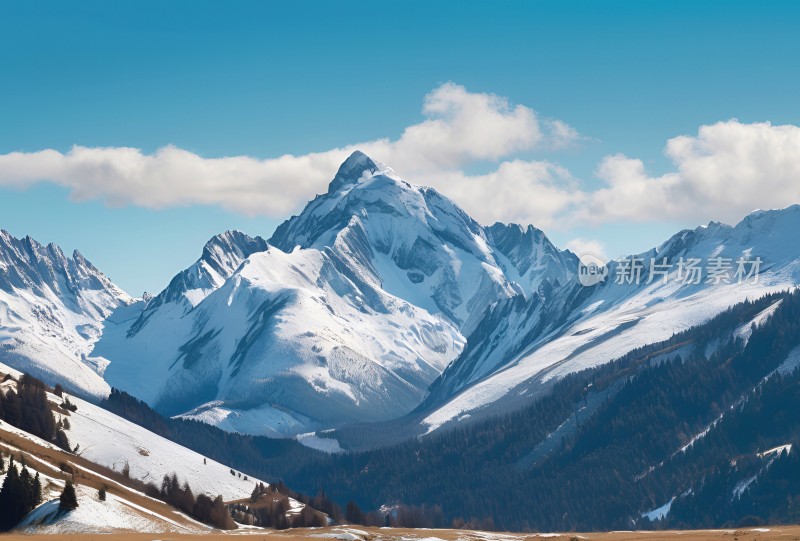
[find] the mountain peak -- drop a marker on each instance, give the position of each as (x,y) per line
(222,255)
(354,168)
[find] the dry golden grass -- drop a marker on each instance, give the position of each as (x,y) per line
(85,473)
(774,533)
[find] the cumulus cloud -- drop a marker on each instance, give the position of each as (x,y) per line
(460,128)
(587,247)
(724,172)
(517,191)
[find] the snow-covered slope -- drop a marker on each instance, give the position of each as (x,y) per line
(114,515)
(111,441)
(102,440)
(523,344)
(52,310)
(357,305)
(289,342)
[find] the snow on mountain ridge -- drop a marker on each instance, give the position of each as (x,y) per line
(52,310)
(221,256)
(287,339)
(512,355)
(358,166)
(540,266)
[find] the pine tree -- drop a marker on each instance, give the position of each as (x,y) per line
(353,514)
(101,494)
(12,503)
(68,499)
(62,440)
(37,490)
(255,494)
(26,485)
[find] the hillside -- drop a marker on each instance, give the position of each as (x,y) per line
(104,450)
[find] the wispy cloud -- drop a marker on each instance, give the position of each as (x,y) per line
(722,173)
(460,128)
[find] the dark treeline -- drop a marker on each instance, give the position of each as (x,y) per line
(27,408)
(20,493)
(269,507)
(756,489)
(211,511)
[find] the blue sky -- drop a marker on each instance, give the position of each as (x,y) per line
(263,79)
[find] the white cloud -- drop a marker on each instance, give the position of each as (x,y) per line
(525,192)
(728,170)
(175,177)
(725,171)
(580,246)
(460,128)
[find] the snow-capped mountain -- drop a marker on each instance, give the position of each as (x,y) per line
(379,299)
(356,305)
(521,345)
(52,310)
(408,240)
(361,302)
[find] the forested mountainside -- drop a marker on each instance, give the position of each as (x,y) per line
(693,418)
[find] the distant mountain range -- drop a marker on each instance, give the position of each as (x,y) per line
(381,302)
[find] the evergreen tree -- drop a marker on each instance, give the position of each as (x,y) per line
(353,514)
(10,498)
(26,485)
(37,490)
(68,499)
(62,440)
